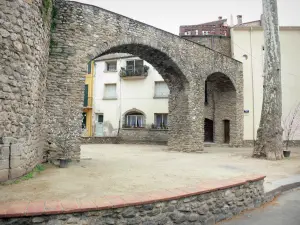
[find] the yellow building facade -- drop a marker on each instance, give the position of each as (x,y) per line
(87,114)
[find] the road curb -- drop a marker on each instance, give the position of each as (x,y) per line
(287,184)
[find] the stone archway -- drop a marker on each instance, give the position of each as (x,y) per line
(223,107)
(84,32)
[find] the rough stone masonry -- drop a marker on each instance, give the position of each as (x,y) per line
(203,209)
(34,86)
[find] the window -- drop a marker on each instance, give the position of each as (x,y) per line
(110,91)
(185,33)
(161,90)
(189,32)
(205,32)
(100,118)
(197,32)
(111,66)
(161,120)
(89,68)
(135,66)
(135,119)
(206,93)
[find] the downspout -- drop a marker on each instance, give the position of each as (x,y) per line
(120,116)
(93,99)
(252,76)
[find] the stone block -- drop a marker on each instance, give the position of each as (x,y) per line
(16,172)
(8,140)
(3,175)
(4,152)
(15,150)
(4,164)
(16,161)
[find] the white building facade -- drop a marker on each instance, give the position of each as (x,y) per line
(248,47)
(128,93)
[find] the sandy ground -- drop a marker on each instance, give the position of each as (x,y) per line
(127,169)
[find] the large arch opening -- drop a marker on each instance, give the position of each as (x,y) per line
(220,109)
(177,83)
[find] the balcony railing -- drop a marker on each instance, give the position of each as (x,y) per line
(87,102)
(137,72)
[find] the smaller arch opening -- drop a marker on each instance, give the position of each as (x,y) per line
(220,107)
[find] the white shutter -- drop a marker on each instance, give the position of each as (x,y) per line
(161,89)
(110,91)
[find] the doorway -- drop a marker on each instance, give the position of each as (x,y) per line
(208,130)
(83,126)
(99,125)
(226,131)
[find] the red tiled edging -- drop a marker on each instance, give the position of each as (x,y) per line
(49,207)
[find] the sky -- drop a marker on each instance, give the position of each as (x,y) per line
(170,14)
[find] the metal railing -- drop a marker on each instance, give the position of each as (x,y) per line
(137,71)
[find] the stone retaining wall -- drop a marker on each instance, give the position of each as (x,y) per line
(205,205)
(150,136)
(292,144)
(100,140)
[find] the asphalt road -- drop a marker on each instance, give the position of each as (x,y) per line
(283,211)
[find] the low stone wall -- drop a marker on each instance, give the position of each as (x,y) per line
(100,140)
(205,205)
(292,144)
(140,135)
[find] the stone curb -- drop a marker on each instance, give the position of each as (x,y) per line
(283,185)
(50,207)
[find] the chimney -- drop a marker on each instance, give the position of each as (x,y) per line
(239,19)
(220,17)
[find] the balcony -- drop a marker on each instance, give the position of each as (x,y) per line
(135,73)
(87,102)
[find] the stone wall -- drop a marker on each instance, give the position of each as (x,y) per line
(24,44)
(202,208)
(149,136)
(220,44)
(100,140)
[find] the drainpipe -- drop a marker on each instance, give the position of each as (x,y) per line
(9,162)
(120,116)
(252,76)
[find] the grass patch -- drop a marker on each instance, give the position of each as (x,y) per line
(36,170)
(46,10)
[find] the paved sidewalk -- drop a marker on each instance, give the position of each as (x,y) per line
(283,211)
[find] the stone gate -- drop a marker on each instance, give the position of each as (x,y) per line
(80,33)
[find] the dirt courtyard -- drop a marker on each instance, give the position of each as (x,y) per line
(109,170)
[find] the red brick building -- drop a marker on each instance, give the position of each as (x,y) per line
(215,28)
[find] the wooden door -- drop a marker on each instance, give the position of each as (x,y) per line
(226,131)
(208,130)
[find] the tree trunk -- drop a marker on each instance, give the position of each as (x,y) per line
(269,134)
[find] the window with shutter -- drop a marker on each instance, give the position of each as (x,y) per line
(161,90)
(110,91)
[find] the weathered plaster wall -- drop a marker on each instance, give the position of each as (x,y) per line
(24,44)
(84,32)
(198,209)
